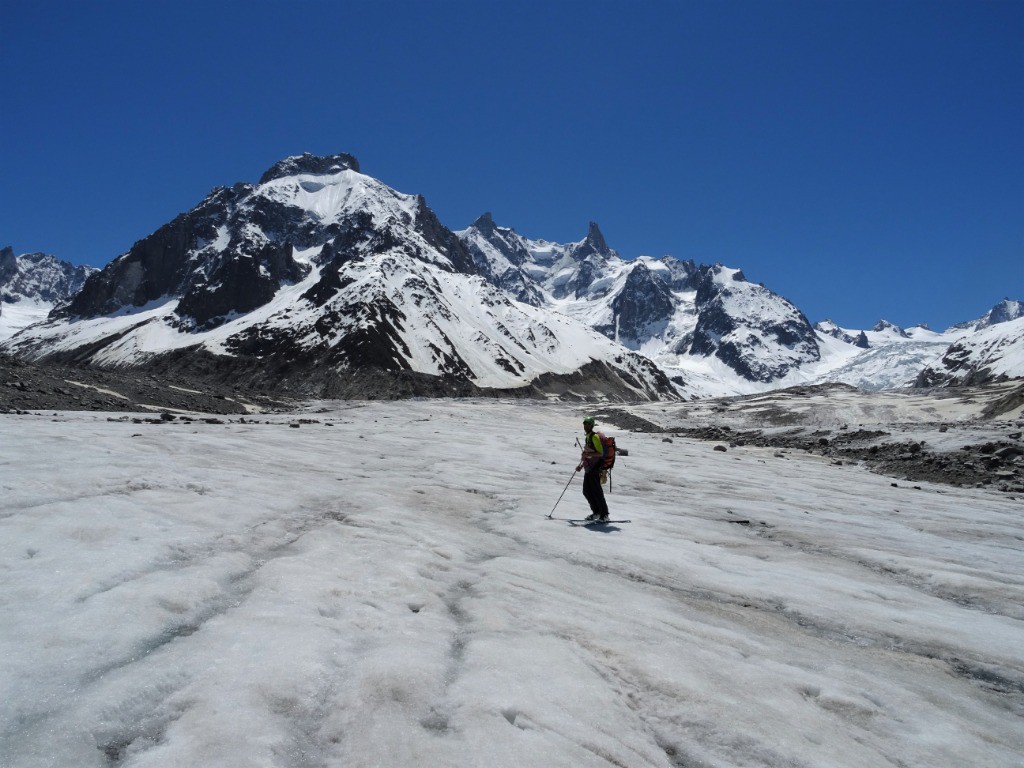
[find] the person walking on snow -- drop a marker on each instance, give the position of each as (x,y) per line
(592,461)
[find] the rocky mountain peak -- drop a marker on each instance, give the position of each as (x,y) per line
(1005,311)
(885,325)
(830,328)
(236,250)
(36,283)
(485,224)
(39,277)
(595,239)
(592,254)
(311,164)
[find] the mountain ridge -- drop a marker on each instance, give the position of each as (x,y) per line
(32,284)
(319,275)
(314,274)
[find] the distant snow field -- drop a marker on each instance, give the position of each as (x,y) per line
(17,315)
(382,587)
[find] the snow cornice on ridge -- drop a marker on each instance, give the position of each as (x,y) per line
(311,164)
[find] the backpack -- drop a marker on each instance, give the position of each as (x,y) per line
(609,450)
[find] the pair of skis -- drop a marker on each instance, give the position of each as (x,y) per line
(588,523)
(579,521)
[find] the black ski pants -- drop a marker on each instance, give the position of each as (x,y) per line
(593,492)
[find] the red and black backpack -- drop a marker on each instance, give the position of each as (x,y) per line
(609,450)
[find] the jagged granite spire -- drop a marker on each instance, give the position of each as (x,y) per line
(485,223)
(595,239)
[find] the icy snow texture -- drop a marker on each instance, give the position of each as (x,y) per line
(15,316)
(387,590)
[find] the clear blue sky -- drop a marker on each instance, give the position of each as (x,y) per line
(864,159)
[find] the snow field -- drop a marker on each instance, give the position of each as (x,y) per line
(17,315)
(387,590)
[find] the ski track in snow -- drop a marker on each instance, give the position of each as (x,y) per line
(383,588)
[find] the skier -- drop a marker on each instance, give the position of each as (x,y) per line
(592,461)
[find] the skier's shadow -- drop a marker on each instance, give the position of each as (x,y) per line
(600,528)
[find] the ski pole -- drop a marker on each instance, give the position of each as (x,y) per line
(563,492)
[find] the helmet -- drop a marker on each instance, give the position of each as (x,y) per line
(588,419)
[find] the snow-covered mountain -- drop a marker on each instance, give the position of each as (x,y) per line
(714,332)
(324,281)
(31,285)
(887,356)
(696,321)
(994,352)
(1003,312)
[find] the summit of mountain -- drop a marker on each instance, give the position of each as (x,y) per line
(324,281)
(32,285)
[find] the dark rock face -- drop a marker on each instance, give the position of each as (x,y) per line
(158,266)
(614,382)
(444,240)
(238,285)
(593,245)
(586,274)
(374,344)
(503,240)
(1004,312)
(8,264)
(644,304)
